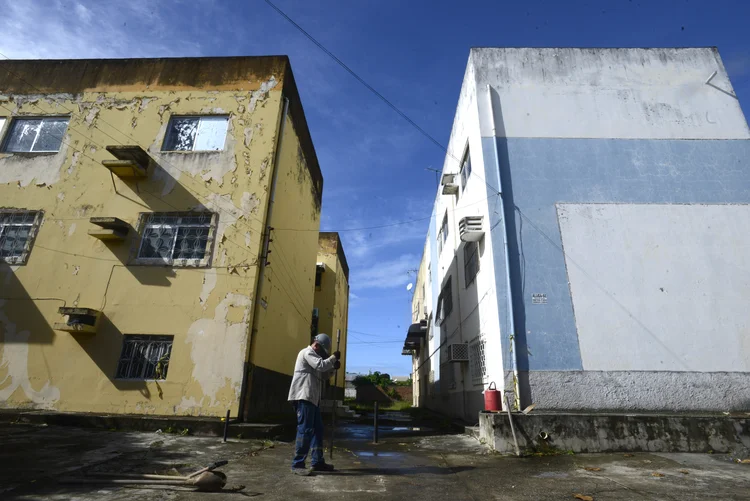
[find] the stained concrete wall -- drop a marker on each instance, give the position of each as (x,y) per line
(332,299)
(558,433)
(561,128)
(209,310)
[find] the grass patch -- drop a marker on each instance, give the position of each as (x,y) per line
(397,405)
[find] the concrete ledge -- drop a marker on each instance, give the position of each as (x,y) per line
(204,426)
(615,432)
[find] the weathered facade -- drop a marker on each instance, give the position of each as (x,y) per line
(331,313)
(588,240)
(144,190)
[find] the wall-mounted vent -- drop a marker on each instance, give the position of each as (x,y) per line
(449,185)
(80,320)
(470,228)
(458,352)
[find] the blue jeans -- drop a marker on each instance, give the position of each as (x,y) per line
(309,434)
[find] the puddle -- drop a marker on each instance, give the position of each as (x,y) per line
(406,428)
(370,454)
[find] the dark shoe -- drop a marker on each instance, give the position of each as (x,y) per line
(304,472)
(322,467)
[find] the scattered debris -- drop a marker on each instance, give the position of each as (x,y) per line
(583,497)
(684,472)
(657,474)
(529,409)
(592,468)
(743,461)
(628,455)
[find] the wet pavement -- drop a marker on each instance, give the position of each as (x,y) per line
(409,463)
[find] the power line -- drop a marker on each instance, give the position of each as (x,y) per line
(370,87)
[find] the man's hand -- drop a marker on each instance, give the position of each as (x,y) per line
(337,365)
(337,354)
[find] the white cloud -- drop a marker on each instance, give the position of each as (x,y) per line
(52,29)
(385,274)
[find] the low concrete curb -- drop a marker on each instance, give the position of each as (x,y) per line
(549,432)
(203,426)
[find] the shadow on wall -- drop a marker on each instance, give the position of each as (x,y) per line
(21,320)
(160,192)
(454,392)
(516,264)
(104,349)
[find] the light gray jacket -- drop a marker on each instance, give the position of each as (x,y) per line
(310,371)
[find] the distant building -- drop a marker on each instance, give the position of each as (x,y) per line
(350,390)
(331,312)
(589,238)
(139,200)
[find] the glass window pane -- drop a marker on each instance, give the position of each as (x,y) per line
(51,134)
(211,134)
(181,134)
(13,240)
(22,134)
(157,243)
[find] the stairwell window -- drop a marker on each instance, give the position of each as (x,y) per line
(471,262)
(445,303)
(477,361)
(196,133)
(176,238)
(35,135)
(443,233)
(145,357)
(18,229)
(465,168)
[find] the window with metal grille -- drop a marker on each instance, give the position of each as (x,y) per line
(445,303)
(465,168)
(196,134)
(145,357)
(177,238)
(18,228)
(35,135)
(471,262)
(477,364)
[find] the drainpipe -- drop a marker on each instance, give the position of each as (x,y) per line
(512,326)
(263,259)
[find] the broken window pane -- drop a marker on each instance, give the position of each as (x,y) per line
(196,134)
(36,135)
(181,134)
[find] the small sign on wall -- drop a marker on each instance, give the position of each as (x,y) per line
(538,298)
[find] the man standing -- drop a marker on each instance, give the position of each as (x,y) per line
(310,371)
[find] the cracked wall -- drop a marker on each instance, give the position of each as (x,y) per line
(208,311)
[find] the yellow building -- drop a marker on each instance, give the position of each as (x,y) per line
(150,258)
(331,314)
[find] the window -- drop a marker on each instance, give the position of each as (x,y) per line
(477,363)
(18,229)
(196,134)
(443,233)
(465,169)
(145,357)
(35,135)
(177,238)
(471,262)
(445,303)
(319,269)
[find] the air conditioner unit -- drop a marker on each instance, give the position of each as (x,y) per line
(449,186)
(458,352)
(470,228)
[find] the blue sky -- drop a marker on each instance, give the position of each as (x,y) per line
(414,53)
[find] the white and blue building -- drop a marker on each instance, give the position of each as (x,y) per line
(589,242)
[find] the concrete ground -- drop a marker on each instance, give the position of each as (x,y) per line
(407,464)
